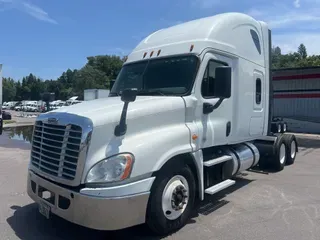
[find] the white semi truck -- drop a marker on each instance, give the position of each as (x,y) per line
(190,109)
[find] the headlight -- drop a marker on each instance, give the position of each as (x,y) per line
(112,169)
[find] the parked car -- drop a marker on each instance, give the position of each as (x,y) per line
(18,107)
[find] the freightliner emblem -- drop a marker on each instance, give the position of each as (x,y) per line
(52,120)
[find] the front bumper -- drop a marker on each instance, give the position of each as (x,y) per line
(96,208)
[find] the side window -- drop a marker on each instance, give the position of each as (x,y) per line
(256,41)
(207,85)
(258,91)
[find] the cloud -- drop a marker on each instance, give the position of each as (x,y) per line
(280,16)
(287,20)
(290,42)
(37,12)
(292,25)
(205,3)
(255,13)
(119,51)
(27,8)
(168,22)
(296,3)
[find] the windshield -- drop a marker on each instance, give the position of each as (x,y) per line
(165,76)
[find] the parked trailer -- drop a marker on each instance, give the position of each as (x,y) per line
(189,110)
(91,94)
(297,93)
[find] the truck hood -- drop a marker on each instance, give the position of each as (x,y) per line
(108,110)
(150,121)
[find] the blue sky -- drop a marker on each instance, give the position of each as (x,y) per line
(45,37)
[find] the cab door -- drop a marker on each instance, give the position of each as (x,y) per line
(214,115)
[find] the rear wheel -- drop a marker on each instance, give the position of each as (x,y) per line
(280,154)
(292,148)
(172,199)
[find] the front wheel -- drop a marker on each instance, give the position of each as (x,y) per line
(172,199)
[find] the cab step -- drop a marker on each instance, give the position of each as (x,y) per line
(216,161)
(220,186)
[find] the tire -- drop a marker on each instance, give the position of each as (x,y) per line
(280,154)
(292,148)
(157,219)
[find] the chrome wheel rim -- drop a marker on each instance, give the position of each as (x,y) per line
(293,149)
(282,153)
(175,197)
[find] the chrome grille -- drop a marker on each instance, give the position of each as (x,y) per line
(56,149)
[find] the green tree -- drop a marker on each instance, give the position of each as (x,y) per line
(302,50)
(36,88)
(67,78)
(275,56)
(89,77)
(9,89)
(110,65)
(18,96)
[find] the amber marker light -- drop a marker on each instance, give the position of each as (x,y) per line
(128,167)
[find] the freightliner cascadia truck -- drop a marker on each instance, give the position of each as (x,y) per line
(189,110)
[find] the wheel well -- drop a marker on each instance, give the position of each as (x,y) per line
(185,158)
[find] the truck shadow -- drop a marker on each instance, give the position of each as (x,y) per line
(28,224)
(308,142)
(216,201)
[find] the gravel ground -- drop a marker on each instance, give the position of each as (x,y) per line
(261,206)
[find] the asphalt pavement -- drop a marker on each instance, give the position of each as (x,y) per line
(260,206)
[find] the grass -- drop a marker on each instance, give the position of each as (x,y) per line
(8,121)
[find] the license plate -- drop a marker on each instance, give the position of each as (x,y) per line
(44,209)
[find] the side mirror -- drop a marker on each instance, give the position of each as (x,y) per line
(222,83)
(112,83)
(129,95)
